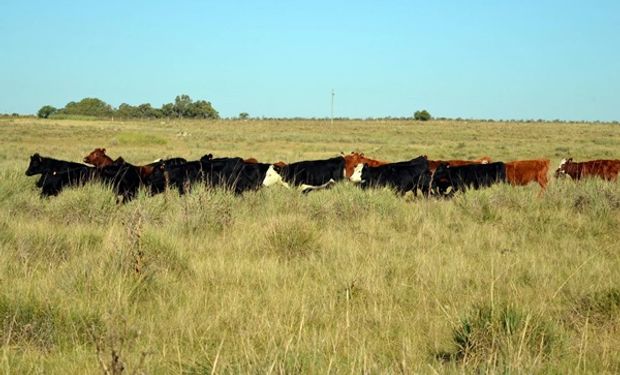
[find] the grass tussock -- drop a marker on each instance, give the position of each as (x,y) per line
(290,237)
(27,322)
(501,337)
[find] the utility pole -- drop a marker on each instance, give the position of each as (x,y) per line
(333,94)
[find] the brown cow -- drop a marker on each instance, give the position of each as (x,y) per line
(522,172)
(99,159)
(354,158)
(605,169)
(433,164)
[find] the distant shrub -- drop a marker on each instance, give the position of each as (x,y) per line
(422,115)
(46,111)
(89,107)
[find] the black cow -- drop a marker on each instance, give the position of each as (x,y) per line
(52,183)
(231,173)
(473,176)
(177,175)
(41,164)
(124,178)
(307,175)
(234,174)
(402,176)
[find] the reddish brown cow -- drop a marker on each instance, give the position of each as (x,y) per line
(433,164)
(355,158)
(99,159)
(605,169)
(522,172)
(254,161)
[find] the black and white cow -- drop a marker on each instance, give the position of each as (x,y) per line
(473,176)
(307,175)
(404,176)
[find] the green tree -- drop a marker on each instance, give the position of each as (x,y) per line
(422,115)
(168,110)
(202,109)
(127,111)
(243,115)
(89,107)
(183,106)
(146,111)
(46,111)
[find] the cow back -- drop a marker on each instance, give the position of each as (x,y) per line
(314,172)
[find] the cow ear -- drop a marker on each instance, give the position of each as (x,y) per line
(569,160)
(103,150)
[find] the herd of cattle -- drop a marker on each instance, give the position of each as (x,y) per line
(430,177)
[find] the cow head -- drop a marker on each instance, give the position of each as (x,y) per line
(98,158)
(483,160)
(352,160)
(561,171)
(206,158)
(356,176)
(273,176)
(35,165)
(441,178)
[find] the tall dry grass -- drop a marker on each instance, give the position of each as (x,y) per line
(343,280)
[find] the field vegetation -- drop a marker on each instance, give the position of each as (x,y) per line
(342,281)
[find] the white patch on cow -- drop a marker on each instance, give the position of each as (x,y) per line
(157,160)
(272,177)
(356,176)
(484,162)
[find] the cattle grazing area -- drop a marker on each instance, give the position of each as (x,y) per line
(505,278)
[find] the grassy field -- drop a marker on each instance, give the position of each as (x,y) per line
(340,281)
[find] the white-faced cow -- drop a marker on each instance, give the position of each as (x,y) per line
(307,175)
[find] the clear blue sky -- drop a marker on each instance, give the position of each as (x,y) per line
(480,59)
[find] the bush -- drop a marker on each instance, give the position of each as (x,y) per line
(46,111)
(422,115)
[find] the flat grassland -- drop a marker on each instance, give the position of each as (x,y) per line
(343,280)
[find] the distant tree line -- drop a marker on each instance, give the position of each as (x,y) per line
(183,107)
